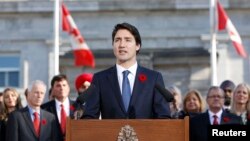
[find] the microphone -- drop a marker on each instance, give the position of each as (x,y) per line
(165,93)
(81,99)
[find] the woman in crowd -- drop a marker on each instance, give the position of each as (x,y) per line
(176,105)
(193,104)
(11,102)
(240,104)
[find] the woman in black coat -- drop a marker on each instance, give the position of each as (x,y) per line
(11,102)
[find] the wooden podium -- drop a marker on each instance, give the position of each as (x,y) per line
(146,130)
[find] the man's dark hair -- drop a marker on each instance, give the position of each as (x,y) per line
(227,84)
(132,29)
(58,77)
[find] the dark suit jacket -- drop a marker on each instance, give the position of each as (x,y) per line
(145,103)
(50,106)
(20,127)
(199,124)
(2,130)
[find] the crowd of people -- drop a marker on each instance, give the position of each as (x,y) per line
(227,100)
(124,91)
(39,120)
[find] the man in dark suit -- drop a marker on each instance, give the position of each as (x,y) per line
(82,83)
(215,115)
(126,90)
(61,106)
(32,123)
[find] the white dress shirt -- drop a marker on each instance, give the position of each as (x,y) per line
(66,105)
(131,75)
(211,118)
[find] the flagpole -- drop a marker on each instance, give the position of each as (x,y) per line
(213,56)
(56,35)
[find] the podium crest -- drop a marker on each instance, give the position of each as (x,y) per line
(127,133)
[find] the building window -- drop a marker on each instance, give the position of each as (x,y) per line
(9,71)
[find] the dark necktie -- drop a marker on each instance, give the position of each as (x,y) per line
(63,119)
(36,123)
(215,122)
(126,91)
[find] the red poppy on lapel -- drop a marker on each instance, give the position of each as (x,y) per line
(44,121)
(72,108)
(142,77)
(226,119)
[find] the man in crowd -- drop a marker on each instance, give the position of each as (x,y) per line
(215,115)
(228,87)
(82,83)
(32,123)
(61,106)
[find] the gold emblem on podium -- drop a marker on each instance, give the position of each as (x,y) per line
(127,133)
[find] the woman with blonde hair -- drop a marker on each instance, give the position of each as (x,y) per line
(11,102)
(193,104)
(240,104)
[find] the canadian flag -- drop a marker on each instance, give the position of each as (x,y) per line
(82,53)
(223,23)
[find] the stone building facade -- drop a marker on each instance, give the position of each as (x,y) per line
(175,39)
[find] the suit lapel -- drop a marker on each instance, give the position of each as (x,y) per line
(206,118)
(26,115)
(53,110)
(225,118)
(71,109)
(113,79)
(138,86)
(43,122)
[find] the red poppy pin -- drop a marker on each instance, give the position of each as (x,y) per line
(72,108)
(44,122)
(142,77)
(226,119)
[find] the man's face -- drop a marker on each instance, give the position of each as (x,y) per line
(124,46)
(36,96)
(84,86)
(228,94)
(215,99)
(61,89)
